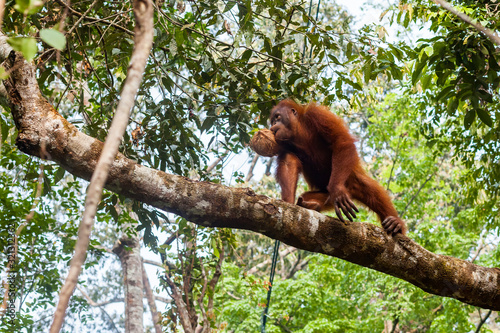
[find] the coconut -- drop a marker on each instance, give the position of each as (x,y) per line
(263,143)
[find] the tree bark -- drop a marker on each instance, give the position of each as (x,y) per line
(215,205)
(127,249)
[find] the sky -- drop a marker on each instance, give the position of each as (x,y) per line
(363,10)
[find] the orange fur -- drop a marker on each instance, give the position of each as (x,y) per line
(317,144)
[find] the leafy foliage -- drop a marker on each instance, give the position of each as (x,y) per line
(456,71)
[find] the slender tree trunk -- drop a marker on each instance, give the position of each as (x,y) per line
(127,249)
(151,301)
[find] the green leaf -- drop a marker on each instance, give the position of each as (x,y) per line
(59,175)
(396,73)
(426,81)
(419,66)
(229,5)
(246,55)
(81,105)
(3,74)
(334,59)
(452,106)
(28,7)
(348,51)
(469,118)
(485,95)
(54,38)
(267,45)
(444,93)
(179,37)
(25,45)
(242,11)
(207,124)
(182,224)
(167,83)
(5,129)
(367,71)
(485,117)
(216,252)
(396,52)
(47,188)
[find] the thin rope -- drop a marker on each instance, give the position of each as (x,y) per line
(277,242)
(271,279)
(317,15)
(305,38)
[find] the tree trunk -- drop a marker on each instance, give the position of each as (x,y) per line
(151,301)
(127,249)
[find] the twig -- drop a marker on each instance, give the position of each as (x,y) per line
(152,262)
(394,162)
(202,295)
(92,303)
(267,56)
(420,189)
(163,299)
(252,166)
(268,166)
(94,20)
(143,12)
(215,277)
(181,306)
(84,15)
(216,162)
(298,266)
(467,19)
(169,264)
(64,15)
(170,239)
(395,325)
(103,248)
(190,246)
(283,253)
(480,247)
(175,83)
(483,320)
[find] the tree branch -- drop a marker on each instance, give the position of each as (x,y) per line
(100,306)
(482,321)
(283,253)
(181,305)
(151,300)
(94,20)
(252,167)
(118,300)
(214,205)
(467,19)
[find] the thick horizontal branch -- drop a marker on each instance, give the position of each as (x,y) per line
(45,133)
